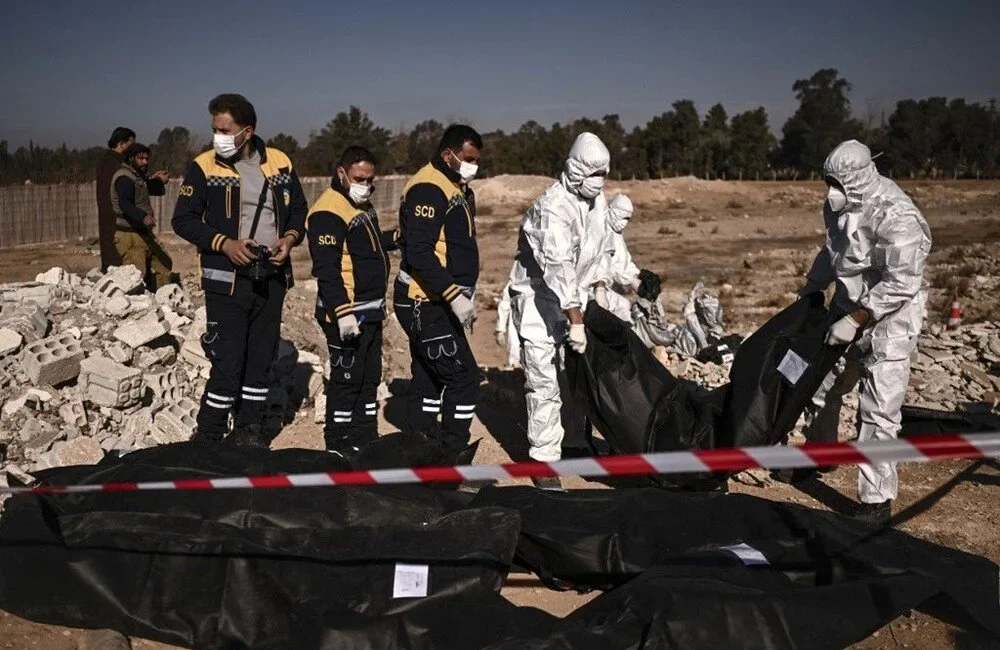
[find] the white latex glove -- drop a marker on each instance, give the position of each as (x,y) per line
(578,338)
(348,326)
(842,331)
(501,338)
(464,310)
(601,296)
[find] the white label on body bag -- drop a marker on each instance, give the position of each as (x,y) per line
(410,581)
(792,367)
(747,554)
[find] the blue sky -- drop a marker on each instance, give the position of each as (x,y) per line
(72,70)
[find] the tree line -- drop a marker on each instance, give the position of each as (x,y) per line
(933,137)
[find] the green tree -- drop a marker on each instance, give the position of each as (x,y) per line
(422,143)
(285,143)
(752,143)
(172,151)
(353,127)
(822,121)
(715,141)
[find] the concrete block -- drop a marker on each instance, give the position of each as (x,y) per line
(194,354)
(55,275)
(137,332)
(110,384)
(126,279)
(40,294)
(28,320)
(42,441)
(120,353)
(173,296)
(175,423)
(52,361)
(74,414)
(79,451)
(142,303)
(10,341)
(117,305)
(164,385)
(175,320)
(149,357)
(37,400)
(139,424)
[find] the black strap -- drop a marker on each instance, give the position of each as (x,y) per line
(260,208)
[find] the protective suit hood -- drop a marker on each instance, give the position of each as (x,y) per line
(619,212)
(850,164)
(587,156)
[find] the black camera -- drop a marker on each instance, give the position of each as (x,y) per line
(260,268)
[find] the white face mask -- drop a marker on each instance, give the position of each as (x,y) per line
(836,199)
(359,192)
(466,169)
(225,145)
(591,186)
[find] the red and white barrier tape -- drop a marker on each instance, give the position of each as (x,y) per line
(918,449)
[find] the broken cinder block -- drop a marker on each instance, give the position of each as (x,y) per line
(74,414)
(28,320)
(126,279)
(110,384)
(137,332)
(164,385)
(52,361)
(10,341)
(175,423)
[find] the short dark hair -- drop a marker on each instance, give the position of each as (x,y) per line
(355,154)
(236,105)
(456,135)
(135,149)
(119,135)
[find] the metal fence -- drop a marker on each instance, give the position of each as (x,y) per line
(36,214)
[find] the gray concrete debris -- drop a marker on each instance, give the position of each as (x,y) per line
(110,384)
(10,341)
(81,451)
(137,332)
(54,276)
(175,423)
(28,320)
(124,279)
(52,361)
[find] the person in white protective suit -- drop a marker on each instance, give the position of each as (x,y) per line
(505,334)
(619,268)
(876,248)
(561,246)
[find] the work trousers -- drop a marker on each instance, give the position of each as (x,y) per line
(355,374)
(240,342)
(445,375)
(144,252)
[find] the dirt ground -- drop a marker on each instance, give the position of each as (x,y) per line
(760,239)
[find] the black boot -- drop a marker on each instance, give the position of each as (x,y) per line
(874,514)
(250,435)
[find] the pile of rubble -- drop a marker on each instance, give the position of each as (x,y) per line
(93,364)
(955,369)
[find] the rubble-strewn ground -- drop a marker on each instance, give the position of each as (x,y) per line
(751,243)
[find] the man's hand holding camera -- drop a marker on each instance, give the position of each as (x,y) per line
(240,251)
(281,249)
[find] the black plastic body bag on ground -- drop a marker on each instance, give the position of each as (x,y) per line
(225,569)
(313,568)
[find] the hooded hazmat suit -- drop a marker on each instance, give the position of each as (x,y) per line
(560,251)
(620,269)
(876,248)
